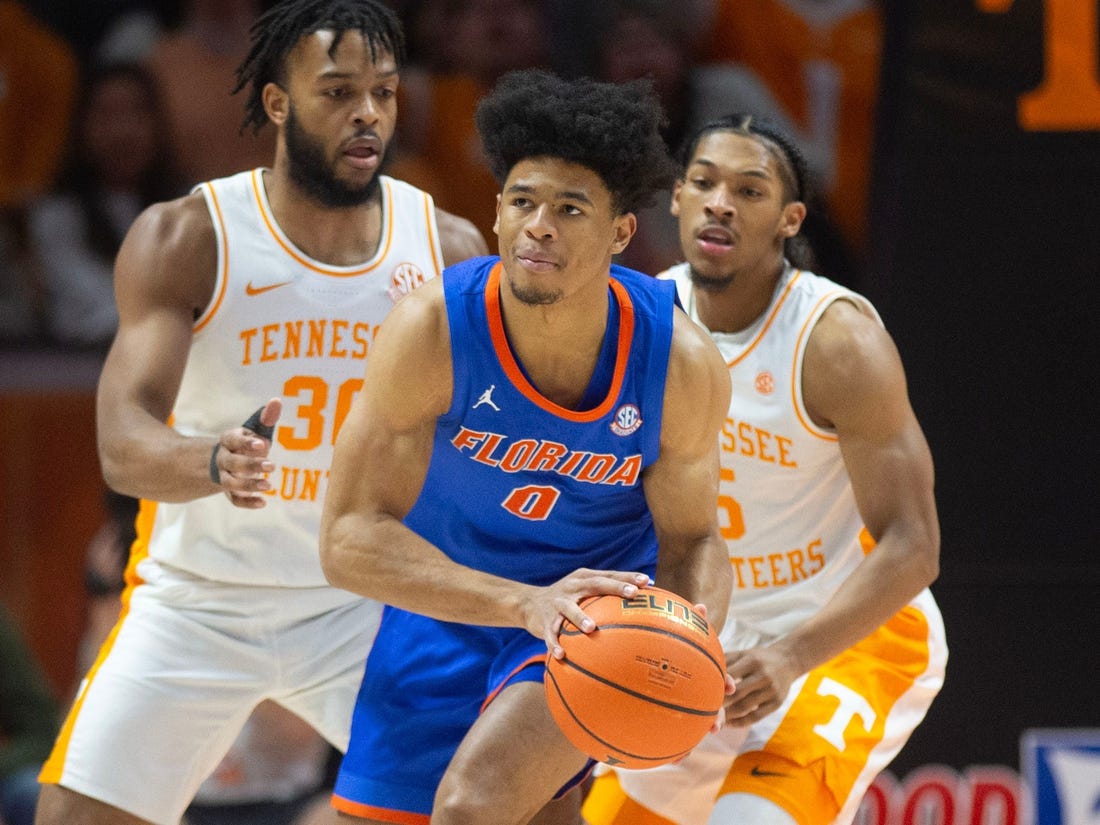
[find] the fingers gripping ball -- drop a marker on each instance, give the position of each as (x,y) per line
(644,687)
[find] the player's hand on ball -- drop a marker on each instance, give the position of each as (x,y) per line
(551,606)
(239,462)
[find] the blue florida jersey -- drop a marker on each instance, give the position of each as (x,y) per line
(523,488)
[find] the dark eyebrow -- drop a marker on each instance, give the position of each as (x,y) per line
(337,75)
(751,173)
(568,194)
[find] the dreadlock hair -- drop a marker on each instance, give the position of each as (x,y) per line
(612,129)
(277,31)
(789,161)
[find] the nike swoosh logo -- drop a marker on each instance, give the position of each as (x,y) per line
(259,290)
(757,771)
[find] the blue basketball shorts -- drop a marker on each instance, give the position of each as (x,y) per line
(425,684)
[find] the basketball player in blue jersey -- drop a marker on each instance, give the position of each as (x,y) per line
(534,428)
(269,284)
(826,504)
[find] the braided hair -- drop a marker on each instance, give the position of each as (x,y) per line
(277,31)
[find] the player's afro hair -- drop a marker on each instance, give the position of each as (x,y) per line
(612,129)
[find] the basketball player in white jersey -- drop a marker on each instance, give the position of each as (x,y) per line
(266,285)
(826,503)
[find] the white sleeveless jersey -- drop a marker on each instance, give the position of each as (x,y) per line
(282,324)
(786,507)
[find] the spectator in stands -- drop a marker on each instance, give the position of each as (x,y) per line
(120,162)
(465,45)
(38,77)
(195,64)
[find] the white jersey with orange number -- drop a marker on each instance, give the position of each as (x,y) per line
(282,324)
(794,534)
(786,506)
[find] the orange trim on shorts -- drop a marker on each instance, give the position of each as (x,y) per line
(55,764)
(347,806)
(269,221)
(515,374)
(608,804)
(210,313)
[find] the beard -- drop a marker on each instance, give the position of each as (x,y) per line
(710,283)
(310,170)
(533,296)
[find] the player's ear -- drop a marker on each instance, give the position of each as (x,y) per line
(276,103)
(674,204)
(625,227)
(496,220)
(793,215)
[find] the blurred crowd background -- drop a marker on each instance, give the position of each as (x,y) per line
(955,145)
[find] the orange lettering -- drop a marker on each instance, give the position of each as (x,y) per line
(484,453)
(268,351)
(785,459)
(755,563)
(778,579)
(596,468)
(744,432)
(815,556)
(247,336)
(517,455)
(547,456)
(338,330)
(316,339)
(734,528)
(762,439)
(467,439)
(627,474)
(360,335)
(311,481)
(531,502)
(797,573)
(737,563)
(1068,97)
(292,347)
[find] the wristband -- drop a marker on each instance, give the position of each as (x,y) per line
(215,476)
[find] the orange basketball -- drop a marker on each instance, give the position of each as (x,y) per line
(644,687)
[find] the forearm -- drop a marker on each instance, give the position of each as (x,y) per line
(700,574)
(884,583)
(148,459)
(384,560)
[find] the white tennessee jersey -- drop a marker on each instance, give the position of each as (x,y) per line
(281,324)
(785,505)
